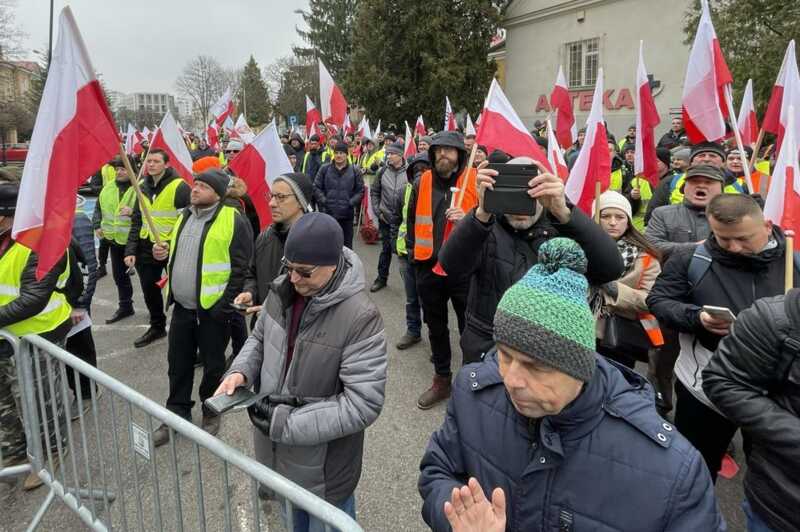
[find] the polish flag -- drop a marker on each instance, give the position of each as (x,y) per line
(212,135)
(169,139)
(147,134)
(347,126)
(228,125)
(449,117)
(747,121)
(704,108)
(364,131)
(419,127)
(411,146)
(378,128)
(782,205)
(243,130)
(132,141)
(222,108)
(74,135)
(501,128)
(312,117)
(331,99)
(258,164)
(560,100)
(645,161)
(594,162)
(469,127)
(785,93)
(555,156)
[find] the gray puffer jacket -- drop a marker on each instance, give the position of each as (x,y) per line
(385,192)
(674,227)
(339,355)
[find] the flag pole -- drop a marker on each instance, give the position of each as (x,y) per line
(139,196)
(788,279)
(738,136)
(597,192)
(466,175)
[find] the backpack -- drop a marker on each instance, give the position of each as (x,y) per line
(701,262)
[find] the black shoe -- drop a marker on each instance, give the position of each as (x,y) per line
(160,436)
(149,337)
(101,272)
(120,314)
(378,284)
(407,340)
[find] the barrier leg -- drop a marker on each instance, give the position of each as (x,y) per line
(41,511)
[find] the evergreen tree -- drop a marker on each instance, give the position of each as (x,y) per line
(330,33)
(408,56)
(254,89)
(753,35)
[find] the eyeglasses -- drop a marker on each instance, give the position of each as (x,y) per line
(280,198)
(305,274)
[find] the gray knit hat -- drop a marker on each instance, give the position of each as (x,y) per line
(545,315)
(301,187)
(315,239)
(216,179)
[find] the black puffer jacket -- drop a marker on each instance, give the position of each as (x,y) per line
(339,192)
(265,264)
(754,379)
(496,256)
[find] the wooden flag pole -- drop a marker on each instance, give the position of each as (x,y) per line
(738,136)
(788,278)
(756,147)
(597,192)
(466,175)
(139,196)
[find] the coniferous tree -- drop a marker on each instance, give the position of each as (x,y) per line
(253,88)
(329,33)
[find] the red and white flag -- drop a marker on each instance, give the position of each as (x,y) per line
(228,125)
(785,93)
(133,141)
(747,121)
(555,156)
(645,161)
(147,134)
(169,139)
(561,101)
(74,135)
(449,117)
(243,131)
(593,164)
(364,131)
(212,135)
(410,145)
(223,107)
(703,103)
(782,205)
(313,118)
(378,128)
(469,127)
(419,127)
(331,99)
(502,129)
(347,126)
(258,164)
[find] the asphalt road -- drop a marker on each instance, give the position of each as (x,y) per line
(386,499)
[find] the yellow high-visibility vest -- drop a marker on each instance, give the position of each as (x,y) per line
(115,226)
(163,211)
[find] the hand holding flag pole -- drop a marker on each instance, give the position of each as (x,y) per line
(738,136)
(139,196)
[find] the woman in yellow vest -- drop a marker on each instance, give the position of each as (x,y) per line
(27,306)
(619,306)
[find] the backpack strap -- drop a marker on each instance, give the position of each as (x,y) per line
(700,263)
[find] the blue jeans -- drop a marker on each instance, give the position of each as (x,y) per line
(305,522)
(413,310)
(754,522)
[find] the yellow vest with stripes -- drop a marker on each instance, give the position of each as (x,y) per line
(12,264)
(163,211)
(115,226)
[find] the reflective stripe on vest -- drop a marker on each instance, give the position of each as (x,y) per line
(677,193)
(163,211)
(648,321)
(115,226)
(216,261)
(57,310)
(403,229)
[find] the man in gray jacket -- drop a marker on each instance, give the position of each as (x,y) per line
(385,193)
(320,345)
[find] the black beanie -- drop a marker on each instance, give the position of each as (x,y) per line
(301,187)
(315,239)
(664,155)
(8,198)
(289,150)
(216,179)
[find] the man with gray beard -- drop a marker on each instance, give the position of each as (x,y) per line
(495,252)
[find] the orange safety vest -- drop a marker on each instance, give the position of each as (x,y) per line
(648,321)
(423,224)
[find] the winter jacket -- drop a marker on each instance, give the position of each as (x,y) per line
(265,263)
(340,356)
(310,162)
(495,256)
(677,227)
(754,379)
(241,249)
(607,462)
(387,189)
(143,248)
(660,196)
(670,139)
(632,290)
(733,281)
(83,234)
(339,192)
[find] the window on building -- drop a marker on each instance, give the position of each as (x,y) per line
(583,60)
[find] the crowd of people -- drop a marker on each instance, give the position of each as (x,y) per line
(548,424)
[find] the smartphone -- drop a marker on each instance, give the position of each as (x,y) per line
(239,306)
(719,313)
(510,194)
(223,403)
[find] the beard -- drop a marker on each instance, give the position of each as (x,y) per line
(445,167)
(521,225)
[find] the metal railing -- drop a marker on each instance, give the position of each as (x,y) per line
(100,461)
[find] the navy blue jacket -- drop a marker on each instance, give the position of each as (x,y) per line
(606,463)
(338,192)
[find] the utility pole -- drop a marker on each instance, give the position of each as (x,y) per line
(50,42)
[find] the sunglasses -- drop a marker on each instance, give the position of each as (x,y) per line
(302,272)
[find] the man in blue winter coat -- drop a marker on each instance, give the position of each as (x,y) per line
(561,438)
(338,190)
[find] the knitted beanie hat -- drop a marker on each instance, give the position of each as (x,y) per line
(546,315)
(612,198)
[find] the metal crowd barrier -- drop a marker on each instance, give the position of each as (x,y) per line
(103,466)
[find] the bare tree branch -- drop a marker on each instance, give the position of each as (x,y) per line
(203,81)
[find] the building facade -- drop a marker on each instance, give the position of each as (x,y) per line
(16,78)
(584,36)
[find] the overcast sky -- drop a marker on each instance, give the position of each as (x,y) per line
(142,45)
